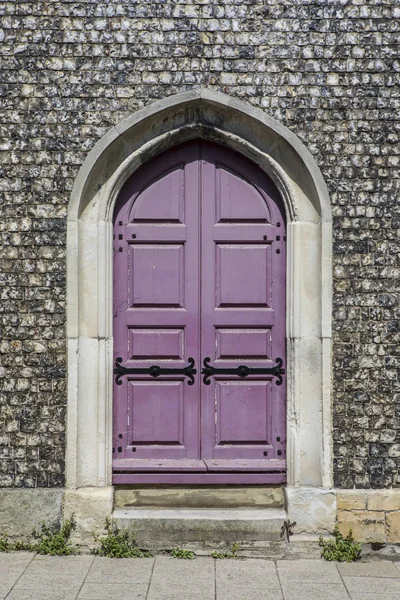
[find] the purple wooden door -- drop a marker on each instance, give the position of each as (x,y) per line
(199,275)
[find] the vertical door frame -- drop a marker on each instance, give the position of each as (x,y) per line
(249,131)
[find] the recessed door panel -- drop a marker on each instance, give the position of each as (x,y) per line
(156,343)
(239,343)
(156,413)
(243,275)
(243,409)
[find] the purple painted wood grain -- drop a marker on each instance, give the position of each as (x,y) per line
(201,273)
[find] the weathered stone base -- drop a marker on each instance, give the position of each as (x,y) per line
(373,515)
(254,496)
(22,510)
(313,509)
(163,528)
(90,507)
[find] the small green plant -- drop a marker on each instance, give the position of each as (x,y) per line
(340,549)
(5,545)
(182,553)
(53,539)
(118,544)
(231,554)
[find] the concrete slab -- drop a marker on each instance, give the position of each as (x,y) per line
(382,568)
(230,593)
(50,580)
(120,570)
(372,585)
(308,571)
(197,575)
(41,595)
(297,590)
(7,582)
(250,573)
(74,566)
(105,591)
(355,596)
(178,593)
(12,566)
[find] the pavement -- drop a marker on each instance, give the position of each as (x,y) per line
(25,576)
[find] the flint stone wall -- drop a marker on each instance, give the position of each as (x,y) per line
(328,70)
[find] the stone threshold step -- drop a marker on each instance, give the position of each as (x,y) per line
(205,496)
(163,528)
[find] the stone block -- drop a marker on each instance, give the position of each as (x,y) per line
(367,526)
(204,497)
(388,500)
(90,507)
(22,510)
(393,527)
(351,499)
(313,509)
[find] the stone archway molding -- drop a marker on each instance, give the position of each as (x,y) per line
(161,125)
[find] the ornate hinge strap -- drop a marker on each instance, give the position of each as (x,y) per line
(243,371)
(154,371)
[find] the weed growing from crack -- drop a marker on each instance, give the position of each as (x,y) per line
(118,544)
(182,553)
(340,549)
(231,554)
(52,539)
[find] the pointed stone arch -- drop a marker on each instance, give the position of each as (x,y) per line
(214,116)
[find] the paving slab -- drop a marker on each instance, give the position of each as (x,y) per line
(12,566)
(372,585)
(41,595)
(197,574)
(298,590)
(51,581)
(308,571)
(77,566)
(120,570)
(374,596)
(12,558)
(175,593)
(14,562)
(248,573)
(234,593)
(113,591)
(382,568)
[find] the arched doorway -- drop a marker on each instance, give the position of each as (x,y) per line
(161,126)
(199,321)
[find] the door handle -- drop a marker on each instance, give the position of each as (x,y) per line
(154,371)
(242,371)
